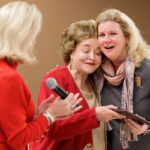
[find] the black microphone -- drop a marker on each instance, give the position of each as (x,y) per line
(52,84)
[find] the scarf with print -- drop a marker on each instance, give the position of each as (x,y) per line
(125,74)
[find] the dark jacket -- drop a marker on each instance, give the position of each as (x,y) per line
(141,103)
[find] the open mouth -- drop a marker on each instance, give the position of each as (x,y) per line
(109,47)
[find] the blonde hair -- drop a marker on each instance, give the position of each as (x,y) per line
(137,48)
(19,25)
(74,34)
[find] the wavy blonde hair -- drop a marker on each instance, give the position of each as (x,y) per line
(19,25)
(137,48)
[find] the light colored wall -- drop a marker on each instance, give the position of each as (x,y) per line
(58,14)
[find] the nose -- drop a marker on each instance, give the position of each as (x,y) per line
(91,56)
(107,39)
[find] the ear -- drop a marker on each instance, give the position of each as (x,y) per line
(127,37)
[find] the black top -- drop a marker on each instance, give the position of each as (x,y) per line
(141,104)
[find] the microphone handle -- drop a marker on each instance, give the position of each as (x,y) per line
(61,92)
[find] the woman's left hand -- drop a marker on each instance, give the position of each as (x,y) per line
(135,127)
(42,107)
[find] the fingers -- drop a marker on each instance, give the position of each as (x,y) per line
(74,101)
(50,98)
(104,113)
(76,96)
(77,108)
(66,107)
(111,107)
(76,105)
(115,114)
(43,106)
(135,127)
(70,97)
(132,123)
(78,101)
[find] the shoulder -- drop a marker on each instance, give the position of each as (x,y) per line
(144,70)
(58,72)
(145,66)
(146,62)
(12,81)
(10,75)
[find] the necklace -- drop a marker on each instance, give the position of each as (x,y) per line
(90,98)
(86,90)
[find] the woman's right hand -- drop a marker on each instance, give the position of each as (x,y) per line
(105,113)
(65,107)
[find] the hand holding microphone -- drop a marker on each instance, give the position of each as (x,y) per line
(70,103)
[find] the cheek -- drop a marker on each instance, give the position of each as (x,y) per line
(98,60)
(102,51)
(100,43)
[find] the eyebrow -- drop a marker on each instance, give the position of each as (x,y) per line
(86,45)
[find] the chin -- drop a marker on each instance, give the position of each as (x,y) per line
(111,57)
(90,71)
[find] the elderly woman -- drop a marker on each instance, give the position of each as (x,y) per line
(127,77)
(19,124)
(82,56)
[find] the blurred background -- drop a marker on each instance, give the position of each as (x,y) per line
(58,14)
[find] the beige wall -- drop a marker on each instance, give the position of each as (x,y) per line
(58,14)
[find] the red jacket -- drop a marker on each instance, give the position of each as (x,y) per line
(74,132)
(16,111)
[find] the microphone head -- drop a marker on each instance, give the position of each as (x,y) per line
(51,83)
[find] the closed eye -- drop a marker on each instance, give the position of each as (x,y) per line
(85,50)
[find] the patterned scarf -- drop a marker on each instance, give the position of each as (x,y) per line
(124,73)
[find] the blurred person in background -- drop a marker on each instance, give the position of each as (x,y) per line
(20,24)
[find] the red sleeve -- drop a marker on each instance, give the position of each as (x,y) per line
(16,113)
(81,122)
(74,125)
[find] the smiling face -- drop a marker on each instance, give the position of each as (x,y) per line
(86,58)
(112,41)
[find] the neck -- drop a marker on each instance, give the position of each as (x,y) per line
(80,79)
(116,65)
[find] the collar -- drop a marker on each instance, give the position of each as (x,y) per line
(4,63)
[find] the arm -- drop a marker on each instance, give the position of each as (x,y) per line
(16,112)
(76,124)
(81,122)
